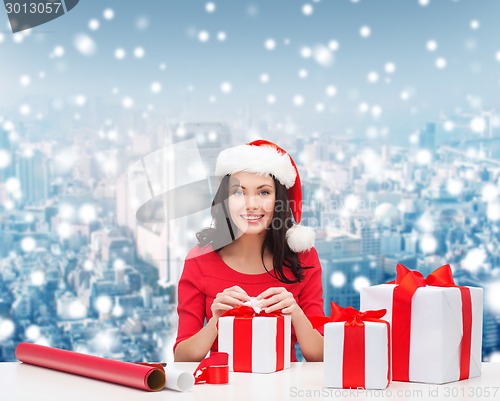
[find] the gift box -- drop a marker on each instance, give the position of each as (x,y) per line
(356,348)
(256,342)
(436,326)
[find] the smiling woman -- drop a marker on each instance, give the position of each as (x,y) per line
(251,202)
(252,250)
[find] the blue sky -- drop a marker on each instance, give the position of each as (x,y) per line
(466,32)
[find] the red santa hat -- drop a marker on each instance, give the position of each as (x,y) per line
(264,157)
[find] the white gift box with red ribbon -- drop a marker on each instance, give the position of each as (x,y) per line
(442,321)
(259,344)
(376,361)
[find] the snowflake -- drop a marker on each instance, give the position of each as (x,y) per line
(372,77)
(270,44)
(120,54)
(94,24)
(365,31)
(271,99)
(331,90)
(156,87)
(338,279)
(306,52)
(139,52)
(333,45)
(226,87)
(474,24)
(441,63)
(431,45)
(390,68)
(298,100)
(108,14)
(210,7)
(203,36)
(307,9)
(25,80)
(360,282)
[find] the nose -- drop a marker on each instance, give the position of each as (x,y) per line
(251,203)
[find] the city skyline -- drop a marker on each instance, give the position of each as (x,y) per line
(106,273)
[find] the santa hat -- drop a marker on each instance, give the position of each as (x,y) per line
(264,157)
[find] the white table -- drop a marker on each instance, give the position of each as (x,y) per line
(303,381)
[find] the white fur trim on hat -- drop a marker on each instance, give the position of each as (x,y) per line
(256,159)
(300,238)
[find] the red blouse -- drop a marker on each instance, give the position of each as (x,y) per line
(205,274)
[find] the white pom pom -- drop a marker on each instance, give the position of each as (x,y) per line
(300,238)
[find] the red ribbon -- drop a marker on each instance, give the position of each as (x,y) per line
(353,369)
(408,282)
(213,370)
(247,311)
(242,337)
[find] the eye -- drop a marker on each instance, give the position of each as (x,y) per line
(238,192)
(265,192)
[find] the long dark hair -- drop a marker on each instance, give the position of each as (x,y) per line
(224,231)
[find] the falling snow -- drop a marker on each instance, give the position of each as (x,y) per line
(94,24)
(431,45)
(108,14)
(307,9)
(270,44)
(311,60)
(120,54)
(365,31)
(139,52)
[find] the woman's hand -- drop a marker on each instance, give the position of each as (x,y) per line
(228,299)
(276,298)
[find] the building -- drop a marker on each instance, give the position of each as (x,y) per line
(33,172)
(353,272)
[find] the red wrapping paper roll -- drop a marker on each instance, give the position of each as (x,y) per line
(129,374)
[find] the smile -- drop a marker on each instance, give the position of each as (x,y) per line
(252,217)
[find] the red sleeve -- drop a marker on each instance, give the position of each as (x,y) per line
(311,296)
(191,301)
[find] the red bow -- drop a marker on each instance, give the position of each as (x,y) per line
(248,311)
(349,315)
(408,282)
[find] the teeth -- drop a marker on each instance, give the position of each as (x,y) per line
(252,217)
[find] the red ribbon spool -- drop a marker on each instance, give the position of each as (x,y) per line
(213,370)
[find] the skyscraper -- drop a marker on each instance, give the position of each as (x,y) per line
(427,137)
(6,156)
(33,173)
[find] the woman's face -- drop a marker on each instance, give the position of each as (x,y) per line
(251,201)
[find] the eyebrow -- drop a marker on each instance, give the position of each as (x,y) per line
(259,187)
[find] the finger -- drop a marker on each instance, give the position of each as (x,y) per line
(280,305)
(228,300)
(221,306)
(239,296)
(269,292)
(271,301)
(218,307)
(287,311)
(238,290)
